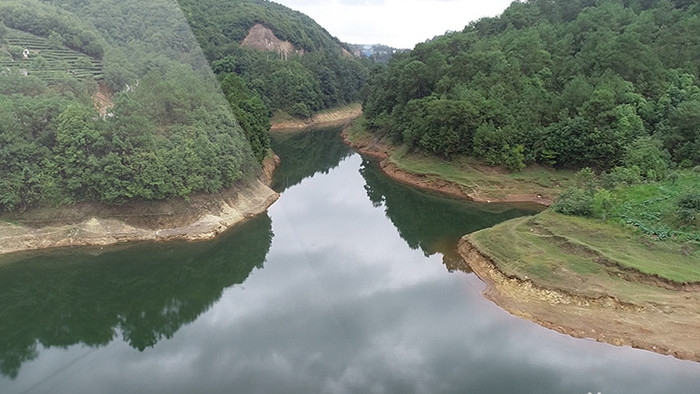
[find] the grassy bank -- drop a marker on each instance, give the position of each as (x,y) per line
(653,208)
(552,249)
(593,279)
(476,180)
(628,274)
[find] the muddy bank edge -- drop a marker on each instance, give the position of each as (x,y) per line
(604,319)
(163,221)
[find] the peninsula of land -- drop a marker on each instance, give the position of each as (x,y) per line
(584,277)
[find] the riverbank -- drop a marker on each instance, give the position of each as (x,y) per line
(462,177)
(90,224)
(328,118)
(573,275)
(578,276)
(204,216)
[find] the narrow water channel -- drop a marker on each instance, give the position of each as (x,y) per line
(349,284)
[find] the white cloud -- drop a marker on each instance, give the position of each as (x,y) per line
(398,23)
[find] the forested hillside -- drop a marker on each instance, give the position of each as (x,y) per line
(570,84)
(320,74)
(168,131)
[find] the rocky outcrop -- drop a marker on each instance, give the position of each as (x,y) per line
(263,39)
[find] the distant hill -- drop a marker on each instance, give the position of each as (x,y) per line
(377,52)
(312,70)
(218,24)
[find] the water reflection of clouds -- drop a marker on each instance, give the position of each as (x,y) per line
(325,315)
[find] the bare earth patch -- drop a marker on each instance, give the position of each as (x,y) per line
(263,39)
(335,117)
(202,217)
(102,99)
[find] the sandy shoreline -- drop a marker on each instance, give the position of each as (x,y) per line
(202,217)
(337,117)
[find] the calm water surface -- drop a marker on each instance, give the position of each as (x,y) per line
(349,284)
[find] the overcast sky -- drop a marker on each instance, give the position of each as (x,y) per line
(397,23)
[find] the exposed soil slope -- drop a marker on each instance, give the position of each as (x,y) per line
(102,99)
(580,291)
(335,117)
(263,39)
(203,216)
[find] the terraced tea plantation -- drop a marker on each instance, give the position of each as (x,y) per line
(45,60)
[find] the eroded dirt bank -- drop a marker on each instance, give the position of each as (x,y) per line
(89,224)
(664,320)
(383,153)
(336,117)
(668,325)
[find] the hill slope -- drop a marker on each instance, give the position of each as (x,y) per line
(170,133)
(46,59)
(316,73)
(562,83)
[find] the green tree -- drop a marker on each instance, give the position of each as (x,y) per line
(55,40)
(647,155)
(78,143)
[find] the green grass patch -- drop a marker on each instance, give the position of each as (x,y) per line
(550,246)
(357,132)
(488,182)
(654,208)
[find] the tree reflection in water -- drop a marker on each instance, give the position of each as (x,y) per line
(143,293)
(434,223)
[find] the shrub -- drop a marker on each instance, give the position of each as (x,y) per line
(689,207)
(301,110)
(646,154)
(586,179)
(620,176)
(574,201)
(603,203)
(513,158)
(15,51)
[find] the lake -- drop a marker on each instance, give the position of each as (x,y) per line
(350,283)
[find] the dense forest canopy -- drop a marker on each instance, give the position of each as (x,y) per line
(169,133)
(598,83)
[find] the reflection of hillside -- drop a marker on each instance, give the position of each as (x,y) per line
(430,222)
(304,154)
(144,293)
